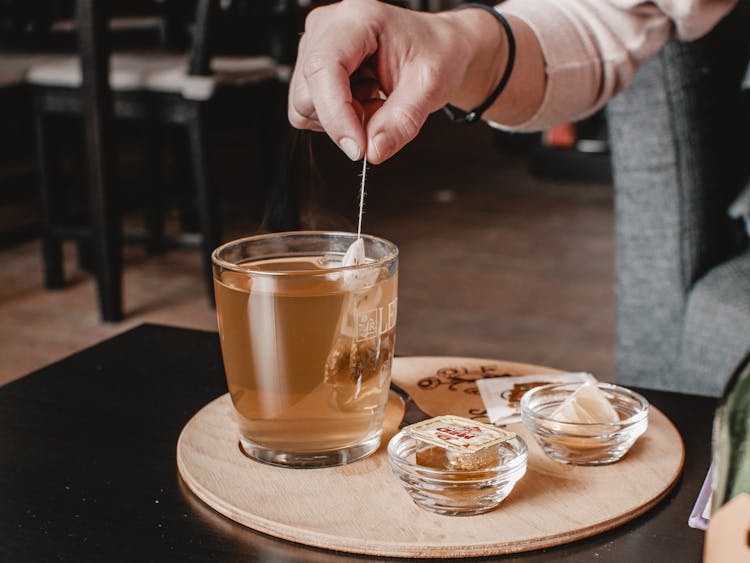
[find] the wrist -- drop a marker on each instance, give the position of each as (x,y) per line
(486,54)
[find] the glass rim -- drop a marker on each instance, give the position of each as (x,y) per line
(640,414)
(222,263)
(508,468)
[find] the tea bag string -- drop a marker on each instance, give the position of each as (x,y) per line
(366,88)
(355,254)
(362,195)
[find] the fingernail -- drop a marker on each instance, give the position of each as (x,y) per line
(383,145)
(350,148)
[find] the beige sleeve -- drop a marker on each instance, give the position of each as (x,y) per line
(592,48)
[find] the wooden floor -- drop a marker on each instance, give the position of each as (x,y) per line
(494,262)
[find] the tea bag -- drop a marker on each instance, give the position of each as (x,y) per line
(353,367)
(355,371)
(355,254)
(588,405)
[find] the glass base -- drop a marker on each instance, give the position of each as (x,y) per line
(447,509)
(309,460)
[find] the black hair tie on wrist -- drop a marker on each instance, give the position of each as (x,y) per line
(457,114)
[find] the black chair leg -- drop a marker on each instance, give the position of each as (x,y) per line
(86,260)
(107,246)
(206,198)
(183,187)
(154,181)
(50,204)
(100,157)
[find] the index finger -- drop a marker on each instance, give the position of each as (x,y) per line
(328,82)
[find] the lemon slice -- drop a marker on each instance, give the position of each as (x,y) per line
(587,405)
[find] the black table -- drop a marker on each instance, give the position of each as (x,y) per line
(88,472)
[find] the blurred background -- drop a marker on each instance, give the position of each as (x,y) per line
(113,191)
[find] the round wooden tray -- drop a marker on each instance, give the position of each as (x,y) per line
(362,507)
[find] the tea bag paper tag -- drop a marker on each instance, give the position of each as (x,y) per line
(458,434)
(355,254)
(728,531)
(502,395)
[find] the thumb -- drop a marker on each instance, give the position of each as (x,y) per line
(401,117)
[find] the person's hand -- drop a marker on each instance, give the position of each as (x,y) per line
(419,61)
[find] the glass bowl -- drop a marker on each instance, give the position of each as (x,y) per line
(457,492)
(584,443)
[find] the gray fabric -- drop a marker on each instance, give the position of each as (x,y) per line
(679,159)
(717,327)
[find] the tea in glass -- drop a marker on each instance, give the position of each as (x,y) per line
(307,344)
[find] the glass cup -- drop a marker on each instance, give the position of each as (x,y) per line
(307,344)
